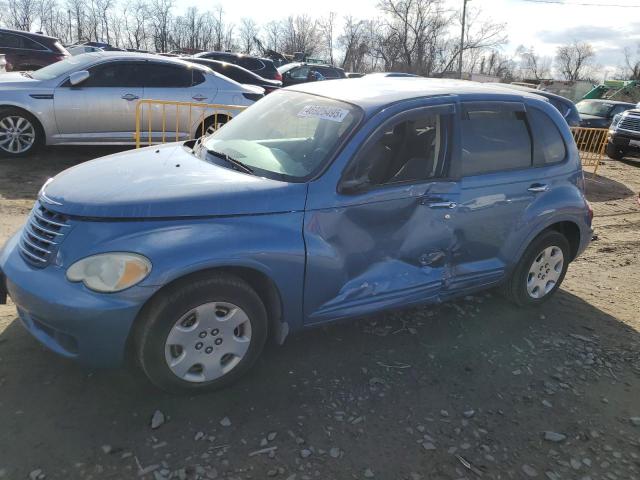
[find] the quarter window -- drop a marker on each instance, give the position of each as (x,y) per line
(408,151)
(494,139)
(549,146)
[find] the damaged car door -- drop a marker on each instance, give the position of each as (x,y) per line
(382,238)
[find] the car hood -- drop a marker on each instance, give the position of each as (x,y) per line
(165,182)
(17,80)
(593,121)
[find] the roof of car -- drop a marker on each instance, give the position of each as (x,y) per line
(381,91)
(106,54)
(28,34)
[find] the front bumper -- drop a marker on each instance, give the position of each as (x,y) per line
(68,318)
(622,139)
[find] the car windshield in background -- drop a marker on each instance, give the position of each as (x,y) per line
(63,66)
(597,109)
(287,135)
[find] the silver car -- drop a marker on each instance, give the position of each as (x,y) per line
(91,99)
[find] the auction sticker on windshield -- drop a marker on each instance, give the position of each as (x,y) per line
(335,114)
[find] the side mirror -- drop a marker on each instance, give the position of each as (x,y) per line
(76,78)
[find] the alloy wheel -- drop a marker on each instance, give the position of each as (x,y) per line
(17,134)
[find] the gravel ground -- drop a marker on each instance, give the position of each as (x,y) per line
(472,389)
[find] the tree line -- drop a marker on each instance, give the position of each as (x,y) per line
(415,36)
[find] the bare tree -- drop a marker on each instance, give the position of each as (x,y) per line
(22,14)
(300,34)
(274,33)
(573,60)
(532,65)
(248,31)
(631,68)
(160,17)
(327,27)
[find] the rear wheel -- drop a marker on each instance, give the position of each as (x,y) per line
(540,271)
(614,152)
(201,335)
(20,133)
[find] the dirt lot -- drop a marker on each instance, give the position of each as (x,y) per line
(464,390)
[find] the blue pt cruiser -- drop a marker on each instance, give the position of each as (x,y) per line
(318,203)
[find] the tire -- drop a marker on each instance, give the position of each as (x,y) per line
(182,327)
(614,153)
(518,288)
(20,133)
(211,125)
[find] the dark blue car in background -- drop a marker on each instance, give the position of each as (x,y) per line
(321,202)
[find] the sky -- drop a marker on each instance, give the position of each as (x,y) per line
(544,26)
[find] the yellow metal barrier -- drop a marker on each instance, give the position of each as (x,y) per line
(161,121)
(591,143)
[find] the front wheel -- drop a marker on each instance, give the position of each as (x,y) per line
(614,152)
(201,335)
(540,271)
(19,133)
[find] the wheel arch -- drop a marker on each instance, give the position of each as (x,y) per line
(571,232)
(223,117)
(39,125)
(263,285)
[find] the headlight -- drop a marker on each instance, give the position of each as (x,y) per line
(110,272)
(616,120)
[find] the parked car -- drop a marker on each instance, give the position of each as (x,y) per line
(237,73)
(565,106)
(320,202)
(624,135)
(80,49)
(600,113)
(91,99)
(390,75)
(296,73)
(260,66)
(29,51)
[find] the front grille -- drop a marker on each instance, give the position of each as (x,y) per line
(630,122)
(42,235)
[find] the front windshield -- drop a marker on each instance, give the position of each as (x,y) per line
(63,66)
(597,109)
(287,135)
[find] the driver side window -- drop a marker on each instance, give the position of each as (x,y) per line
(408,151)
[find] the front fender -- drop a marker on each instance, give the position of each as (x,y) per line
(41,108)
(270,244)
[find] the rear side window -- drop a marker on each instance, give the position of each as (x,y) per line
(8,40)
(329,73)
(549,146)
(159,75)
(112,74)
(250,63)
(494,139)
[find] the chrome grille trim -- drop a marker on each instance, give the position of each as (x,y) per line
(46,220)
(43,250)
(44,231)
(37,237)
(31,255)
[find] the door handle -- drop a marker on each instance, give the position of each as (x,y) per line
(538,188)
(441,204)
(130,97)
(199,98)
